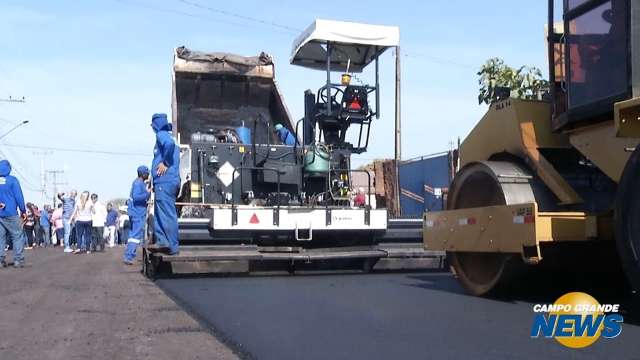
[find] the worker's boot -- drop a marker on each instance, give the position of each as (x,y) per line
(154,248)
(3,264)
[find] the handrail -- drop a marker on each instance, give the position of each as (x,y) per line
(295,146)
(233,198)
(279,173)
(233,179)
(352,171)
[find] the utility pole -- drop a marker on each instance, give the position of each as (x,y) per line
(55,174)
(43,174)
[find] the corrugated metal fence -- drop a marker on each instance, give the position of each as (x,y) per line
(424,183)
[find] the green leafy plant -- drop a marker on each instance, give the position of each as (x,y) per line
(523,83)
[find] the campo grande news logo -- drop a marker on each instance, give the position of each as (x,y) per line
(576,320)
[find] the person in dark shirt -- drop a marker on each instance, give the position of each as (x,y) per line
(68,205)
(30,226)
(44,230)
(111,225)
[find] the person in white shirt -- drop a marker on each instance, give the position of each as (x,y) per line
(123,227)
(82,217)
(98,218)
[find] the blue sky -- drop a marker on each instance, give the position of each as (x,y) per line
(93,72)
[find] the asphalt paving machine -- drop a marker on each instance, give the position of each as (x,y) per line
(260,188)
(554,182)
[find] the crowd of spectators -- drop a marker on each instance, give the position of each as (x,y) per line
(78,227)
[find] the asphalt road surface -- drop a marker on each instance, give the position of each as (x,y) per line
(377,316)
(91,306)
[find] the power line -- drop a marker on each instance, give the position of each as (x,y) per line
(13,100)
(61,136)
(439,60)
(25,180)
(180,13)
(91,151)
(26,183)
(17,159)
(43,173)
(30,186)
(56,183)
(273,24)
(239,16)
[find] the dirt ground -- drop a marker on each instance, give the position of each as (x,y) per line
(91,306)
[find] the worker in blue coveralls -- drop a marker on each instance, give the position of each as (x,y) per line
(285,136)
(11,222)
(166,185)
(137,211)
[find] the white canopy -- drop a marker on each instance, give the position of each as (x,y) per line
(360,43)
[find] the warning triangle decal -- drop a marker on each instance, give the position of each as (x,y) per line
(254,219)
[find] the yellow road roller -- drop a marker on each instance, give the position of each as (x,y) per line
(543,181)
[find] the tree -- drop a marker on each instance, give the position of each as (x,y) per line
(523,83)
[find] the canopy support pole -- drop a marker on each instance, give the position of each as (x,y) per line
(328,79)
(377,83)
(398,139)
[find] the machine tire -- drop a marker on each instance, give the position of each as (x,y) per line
(149,265)
(291,268)
(148,230)
(368,264)
(486,273)
(627,223)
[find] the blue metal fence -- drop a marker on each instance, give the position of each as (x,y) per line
(424,183)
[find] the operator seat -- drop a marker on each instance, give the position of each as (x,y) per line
(355,104)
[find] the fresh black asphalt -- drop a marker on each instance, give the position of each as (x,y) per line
(375,316)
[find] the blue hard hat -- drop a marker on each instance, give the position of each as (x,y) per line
(142,169)
(159,122)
